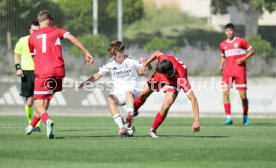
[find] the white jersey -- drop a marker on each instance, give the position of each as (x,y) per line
(124,75)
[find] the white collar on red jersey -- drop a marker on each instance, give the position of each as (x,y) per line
(231,41)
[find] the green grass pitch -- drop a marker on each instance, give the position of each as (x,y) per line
(94,142)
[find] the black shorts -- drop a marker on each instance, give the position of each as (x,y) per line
(27,84)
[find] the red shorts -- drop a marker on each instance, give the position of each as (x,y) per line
(160,82)
(240,81)
(45,88)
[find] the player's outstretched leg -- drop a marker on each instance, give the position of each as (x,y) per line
(50,129)
(157,122)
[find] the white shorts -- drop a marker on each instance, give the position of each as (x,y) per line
(120,95)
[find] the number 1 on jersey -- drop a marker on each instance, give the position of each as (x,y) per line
(43,37)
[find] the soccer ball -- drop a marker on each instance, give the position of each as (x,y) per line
(131,131)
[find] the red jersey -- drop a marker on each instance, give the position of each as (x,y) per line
(233,50)
(45,45)
(177,80)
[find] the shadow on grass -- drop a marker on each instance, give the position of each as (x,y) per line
(85,136)
(194,136)
(142,136)
(79,130)
(263,124)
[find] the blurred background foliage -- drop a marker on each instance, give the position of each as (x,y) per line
(145,28)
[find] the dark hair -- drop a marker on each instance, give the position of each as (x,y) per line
(116,46)
(35,23)
(164,66)
(229,26)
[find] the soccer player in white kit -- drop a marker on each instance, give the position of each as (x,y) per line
(124,73)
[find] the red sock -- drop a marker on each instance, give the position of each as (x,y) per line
(138,103)
(245,109)
(44,117)
(34,121)
(227,109)
(158,121)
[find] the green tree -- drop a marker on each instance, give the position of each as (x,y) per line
(96,44)
(262,47)
(16,15)
(251,11)
(162,44)
(79,15)
(133,10)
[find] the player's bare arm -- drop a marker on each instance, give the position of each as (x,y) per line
(151,59)
(193,99)
(142,60)
(246,57)
(222,62)
(93,78)
(77,43)
(19,71)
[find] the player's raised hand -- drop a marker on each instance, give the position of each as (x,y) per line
(142,60)
(196,126)
(89,58)
(142,69)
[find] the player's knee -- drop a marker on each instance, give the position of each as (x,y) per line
(193,99)
(166,105)
(226,93)
(129,93)
(112,99)
(40,108)
(30,104)
(165,108)
(243,96)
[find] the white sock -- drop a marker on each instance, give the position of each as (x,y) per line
(130,109)
(228,116)
(118,120)
(30,126)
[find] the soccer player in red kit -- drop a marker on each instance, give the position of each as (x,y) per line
(235,51)
(45,46)
(170,76)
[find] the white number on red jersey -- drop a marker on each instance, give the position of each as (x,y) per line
(43,37)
